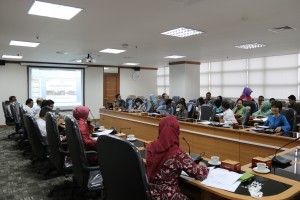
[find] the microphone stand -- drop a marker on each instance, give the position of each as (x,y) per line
(281,160)
(195,157)
(96,127)
(187,144)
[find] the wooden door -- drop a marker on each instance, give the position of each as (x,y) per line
(111,87)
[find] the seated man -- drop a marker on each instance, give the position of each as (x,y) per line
(41,122)
(292,104)
(228,116)
(207,98)
(139,106)
(167,107)
(260,100)
(119,102)
(163,100)
(181,111)
(28,107)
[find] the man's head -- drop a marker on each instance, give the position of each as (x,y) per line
(165,96)
(43,112)
(39,101)
(208,95)
(169,103)
(12,98)
(29,103)
(292,99)
(260,99)
(48,103)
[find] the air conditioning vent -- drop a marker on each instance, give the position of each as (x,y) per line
(282,29)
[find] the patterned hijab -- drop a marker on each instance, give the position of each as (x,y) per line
(166,145)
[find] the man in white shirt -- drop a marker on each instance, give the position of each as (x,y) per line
(41,122)
(28,107)
(228,116)
(37,107)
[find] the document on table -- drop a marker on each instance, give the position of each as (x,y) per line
(105,132)
(260,119)
(222,179)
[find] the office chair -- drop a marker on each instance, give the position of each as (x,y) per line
(123,169)
(58,153)
(176,100)
(38,145)
(154,101)
(129,103)
(191,107)
(85,176)
(9,121)
(15,111)
(252,104)
(246,115)
(206,112)
(291,117)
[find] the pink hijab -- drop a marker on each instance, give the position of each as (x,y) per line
(81,113)
(166,145)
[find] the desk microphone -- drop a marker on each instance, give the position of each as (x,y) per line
(281,160)
(95,122)
(195,157)
(187,144)
(124,128)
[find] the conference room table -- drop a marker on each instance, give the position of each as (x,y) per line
(235,144)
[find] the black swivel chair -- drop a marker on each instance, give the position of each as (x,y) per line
(58,152)
(291,117)
(85,176)
(206,112)
(15,111)
(123,169)
(246,115)
(9,120)
(252,105)
(191,107)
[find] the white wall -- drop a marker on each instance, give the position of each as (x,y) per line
(144,86)
(13,81)
(177,80)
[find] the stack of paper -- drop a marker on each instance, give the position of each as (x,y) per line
(222,179)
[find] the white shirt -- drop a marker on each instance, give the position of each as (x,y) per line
(228,117)
(36,111)
(28,109)
(42,126)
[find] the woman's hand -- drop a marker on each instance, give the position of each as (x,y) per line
(278,129)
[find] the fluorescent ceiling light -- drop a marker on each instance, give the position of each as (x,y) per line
(250,46)
(12,56)
(174,56)
(53,10)
(182,32)
(114,51)
(24,44)
(131,64)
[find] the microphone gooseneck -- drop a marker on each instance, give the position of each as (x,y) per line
(187,144)
(95,122)
(282,160)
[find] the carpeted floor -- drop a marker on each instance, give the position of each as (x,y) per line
(19,179)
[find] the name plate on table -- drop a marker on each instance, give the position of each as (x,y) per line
(231,165)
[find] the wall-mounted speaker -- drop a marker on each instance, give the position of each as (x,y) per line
(137,69)
(2,62)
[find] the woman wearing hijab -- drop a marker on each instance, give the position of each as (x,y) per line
(165,161)
(81,114)
(265,110)
(246,94)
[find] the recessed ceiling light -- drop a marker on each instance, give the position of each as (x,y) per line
(250,46)
(174,56)
(24,44)
(182,32)
(12,56)
(114,51)
(131,64)
(53,10)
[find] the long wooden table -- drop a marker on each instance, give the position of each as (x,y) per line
(239,145)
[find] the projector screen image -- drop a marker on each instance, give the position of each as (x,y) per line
(63,85)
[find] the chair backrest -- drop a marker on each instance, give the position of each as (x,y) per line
(8,118)
(76,150)
(22,113)
(153,101)
(57,158)
(38,146)
(207,112)
(149,106)
(191,107)
(122,168)
(246,115)
(212,102)
(252,105)
(15,111)
(291,117)
(176,99)
(129,103)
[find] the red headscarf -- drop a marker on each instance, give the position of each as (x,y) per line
(166,145)
(81,114)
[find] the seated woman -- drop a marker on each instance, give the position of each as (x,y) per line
(81,114)
(218,108)
(228,116)
(139,106)
(246,95)
(181,111)
(239,109)
(264,111)
(277,121)
(165,161)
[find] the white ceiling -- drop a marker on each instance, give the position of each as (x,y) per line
(138,23)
